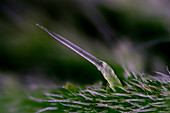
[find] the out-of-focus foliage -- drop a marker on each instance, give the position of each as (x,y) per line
(99,27)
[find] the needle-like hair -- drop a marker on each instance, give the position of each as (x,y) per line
(106,70)
(95,61)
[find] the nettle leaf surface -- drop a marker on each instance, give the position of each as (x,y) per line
(140,94)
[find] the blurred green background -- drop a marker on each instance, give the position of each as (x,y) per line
(127,34)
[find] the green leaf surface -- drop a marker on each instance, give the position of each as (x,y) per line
(140,94)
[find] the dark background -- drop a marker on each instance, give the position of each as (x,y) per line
(127,34)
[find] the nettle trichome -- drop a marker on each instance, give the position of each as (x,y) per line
(102,66)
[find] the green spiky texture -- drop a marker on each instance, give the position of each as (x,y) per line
(140,94)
